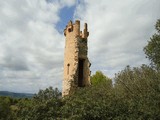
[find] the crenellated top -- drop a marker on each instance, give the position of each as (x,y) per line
(76,29)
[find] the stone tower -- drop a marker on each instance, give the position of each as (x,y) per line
(76,63)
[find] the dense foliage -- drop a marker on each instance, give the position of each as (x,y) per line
(6,108)
(140,88)
(135,95)
(43,106)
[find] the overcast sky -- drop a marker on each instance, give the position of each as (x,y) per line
(32,41)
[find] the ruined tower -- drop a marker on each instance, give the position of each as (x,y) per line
(76,63)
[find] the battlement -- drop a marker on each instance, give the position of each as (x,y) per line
(75,28)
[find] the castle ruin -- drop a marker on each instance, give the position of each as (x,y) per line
(76,63)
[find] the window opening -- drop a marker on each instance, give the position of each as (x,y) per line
(80,72)
(68,69)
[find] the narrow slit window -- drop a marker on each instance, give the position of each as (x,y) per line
(68,69)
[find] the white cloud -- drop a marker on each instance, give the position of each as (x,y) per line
(118,31)
(31,48)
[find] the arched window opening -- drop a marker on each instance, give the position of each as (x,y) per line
(69,30)
(68,68)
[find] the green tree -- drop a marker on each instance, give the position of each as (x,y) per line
(5,109)
(99,77)
(24,109)
(91,103)
(135,95)
(140,88)
(152,50)
(47,94)
(43,106)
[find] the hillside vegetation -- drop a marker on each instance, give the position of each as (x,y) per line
(135,95)
(16,95)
